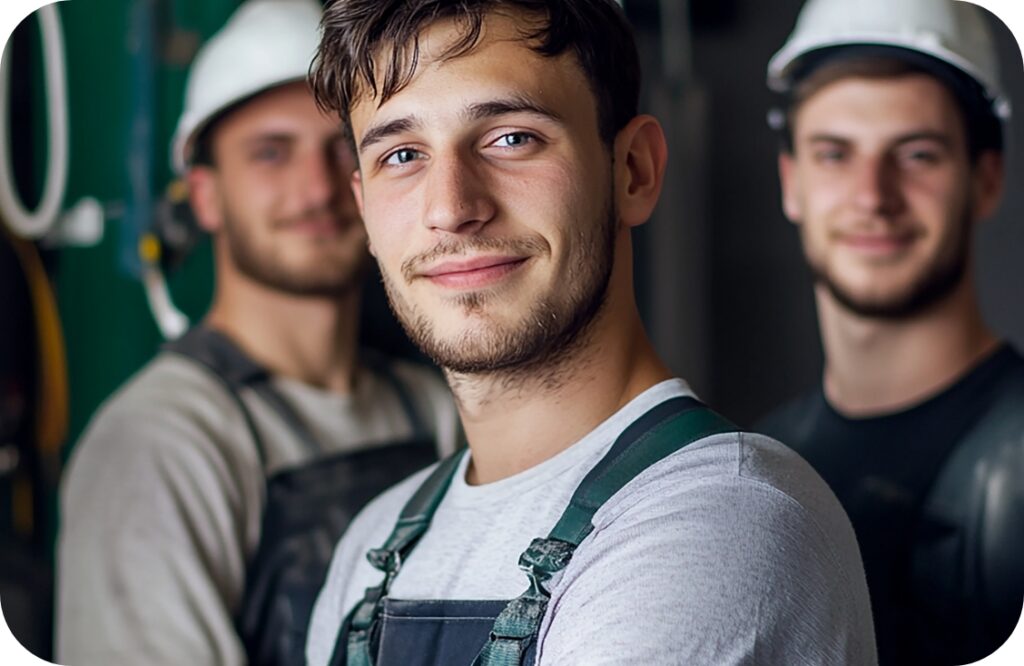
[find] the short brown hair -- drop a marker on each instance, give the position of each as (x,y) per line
(982,128)
(355,32)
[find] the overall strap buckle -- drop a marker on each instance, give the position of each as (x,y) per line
(517,625)
(544,558)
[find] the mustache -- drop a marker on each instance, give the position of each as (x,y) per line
(462,247)
(315,214)
(878,224)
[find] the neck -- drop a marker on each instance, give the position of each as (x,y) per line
(516,421)
(309,339)
(876,366)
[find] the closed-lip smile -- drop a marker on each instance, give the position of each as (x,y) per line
(473,272)
(878,242)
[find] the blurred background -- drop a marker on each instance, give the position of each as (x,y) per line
(720,277)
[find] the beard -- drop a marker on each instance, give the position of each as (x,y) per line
(546,334)
(328,275)
(943,274)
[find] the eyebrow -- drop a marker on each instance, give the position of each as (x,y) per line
(378,133)
(270,137)
(508,105)
(473,112)
(923,135)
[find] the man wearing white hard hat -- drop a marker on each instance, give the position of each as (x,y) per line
(201,507)
(892,156)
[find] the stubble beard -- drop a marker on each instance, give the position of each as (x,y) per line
(936,281)
(542,340)
(261,264)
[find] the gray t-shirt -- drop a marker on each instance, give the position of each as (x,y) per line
(730,551)
(163,498)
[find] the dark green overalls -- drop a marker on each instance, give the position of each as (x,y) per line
(381,631)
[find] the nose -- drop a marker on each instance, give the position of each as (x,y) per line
(877,187)
(320,181)
(457,197)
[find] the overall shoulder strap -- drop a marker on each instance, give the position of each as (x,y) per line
(413,522)
(665,429)
(226,360)
(219,353)
(227,364)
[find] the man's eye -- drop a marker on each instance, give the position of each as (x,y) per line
(514,139)
(829,156)
(269,154)
(402,156)
(922,157)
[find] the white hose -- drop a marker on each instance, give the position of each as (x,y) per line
(171,321)
(37,223)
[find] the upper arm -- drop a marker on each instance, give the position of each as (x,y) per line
(151,547)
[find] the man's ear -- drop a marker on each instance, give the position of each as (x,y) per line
(640,157)
(205,197)
(987,183)
(790,185)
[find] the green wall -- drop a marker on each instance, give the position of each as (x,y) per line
(108,328)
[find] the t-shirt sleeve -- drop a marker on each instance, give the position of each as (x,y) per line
(150,553)
(733,572)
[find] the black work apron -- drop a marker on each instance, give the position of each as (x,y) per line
(381,631)
(307,507)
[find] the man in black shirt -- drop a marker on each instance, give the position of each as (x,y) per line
(892,155)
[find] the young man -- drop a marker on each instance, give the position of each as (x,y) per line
(501,167)
(202,505)
(893,156)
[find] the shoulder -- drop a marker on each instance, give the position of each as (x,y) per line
(172,423)
(994,444)
(735,544)
(733,482)
(168,388)
(169,395)
(748,508)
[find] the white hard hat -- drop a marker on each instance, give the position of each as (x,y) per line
(951,31)
(265,43)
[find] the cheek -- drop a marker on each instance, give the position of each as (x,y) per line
(552,199)
(933,200)
(387,232)
(252,197)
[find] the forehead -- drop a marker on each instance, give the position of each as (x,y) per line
(857,107)
(502,63)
